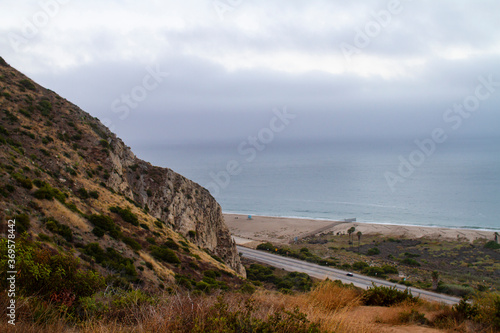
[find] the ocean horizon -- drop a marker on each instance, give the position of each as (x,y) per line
(455,185)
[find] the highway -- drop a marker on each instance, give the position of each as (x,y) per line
(323,272)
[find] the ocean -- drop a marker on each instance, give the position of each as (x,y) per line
(452,184)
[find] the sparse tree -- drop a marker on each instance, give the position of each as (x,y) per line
(359,239)
(350,232)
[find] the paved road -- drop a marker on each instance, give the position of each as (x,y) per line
(322,272)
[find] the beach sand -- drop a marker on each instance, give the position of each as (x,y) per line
(283,230)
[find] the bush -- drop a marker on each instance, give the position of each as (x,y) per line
(58,228)
(360,265)
(45,107)
(132,243)
(48,274)
(373,251)
(192,233)
(112,259)
(455,290)
(23,181)
(98,232)
(374,271)
(410,262)
(492,245)
(386,296)
(171,244)
(247,288)
(126,215)
(388,269)
(94,194)
(266,247)
(47,192)
(22,223)
(105,223)
(164,254)
(27,84)
(82,193)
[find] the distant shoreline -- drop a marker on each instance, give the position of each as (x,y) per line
(284,229)
(363,222)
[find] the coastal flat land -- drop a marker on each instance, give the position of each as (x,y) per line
(282,230)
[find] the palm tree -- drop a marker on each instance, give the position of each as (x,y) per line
(350,231)
(359,238)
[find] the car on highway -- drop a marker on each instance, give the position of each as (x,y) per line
(349,274)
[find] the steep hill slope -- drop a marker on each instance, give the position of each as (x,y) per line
(75,183)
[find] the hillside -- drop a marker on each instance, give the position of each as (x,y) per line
(75,186)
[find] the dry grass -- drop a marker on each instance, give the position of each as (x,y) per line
(334,308)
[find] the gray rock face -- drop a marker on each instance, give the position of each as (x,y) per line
(183,204)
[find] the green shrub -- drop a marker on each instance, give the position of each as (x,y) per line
(47,192)
(45,107)
(386,296)
(212,274)
(82,193)
(266,247)
(44,237)
(455,290)
(22,223)
(58,228)
(373,251)
(23,181)
(104,143)
(192,233)
(164,254)
(374,271)
(112,259)
(94,194)
(360,265)
(126,215)
(105,223)
(49,274)
(132,243)
(247,288)
(410,262)
(492,245)
(27,84)
(171,244)
(98,232)
(388,269)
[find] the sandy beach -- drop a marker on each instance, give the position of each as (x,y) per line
(282,230)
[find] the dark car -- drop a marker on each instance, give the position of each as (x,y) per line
(349,274)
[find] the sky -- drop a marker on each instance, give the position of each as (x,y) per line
(175,72)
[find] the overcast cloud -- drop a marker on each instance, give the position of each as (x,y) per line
(230,63)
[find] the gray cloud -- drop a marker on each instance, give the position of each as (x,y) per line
(226,76)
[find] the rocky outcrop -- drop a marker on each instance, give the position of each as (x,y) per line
(183,204)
